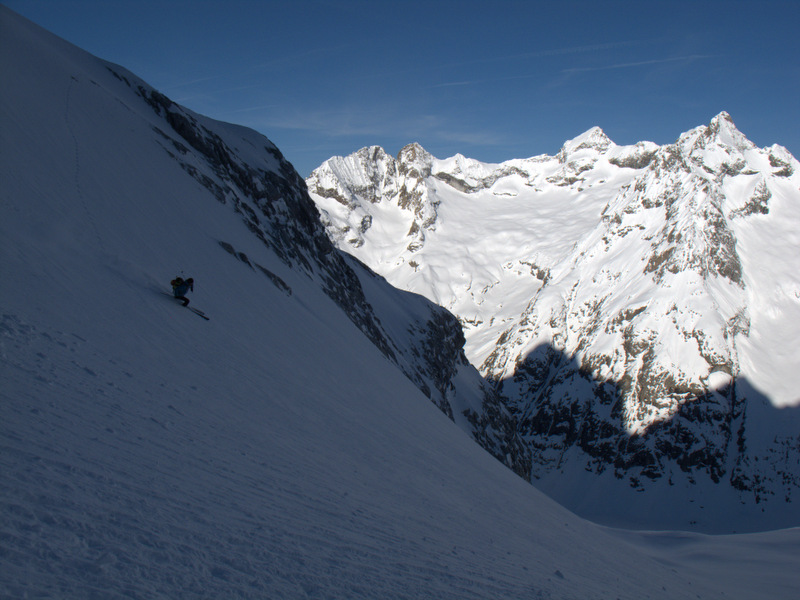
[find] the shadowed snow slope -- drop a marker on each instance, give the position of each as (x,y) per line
(272,452)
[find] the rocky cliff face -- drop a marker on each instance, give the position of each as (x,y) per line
(608,292)
(372,175)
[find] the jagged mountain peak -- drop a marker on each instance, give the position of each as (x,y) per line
(592,139)
(723,119)
(368,158)
(372,154)
(723,127)
(725,133)
(414,152)
(717,143)
(414,161)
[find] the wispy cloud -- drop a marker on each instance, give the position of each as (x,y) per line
(552,52)
(385,123)
(640,63)
(467,82)
(549,52)
(469,137)
(575,70)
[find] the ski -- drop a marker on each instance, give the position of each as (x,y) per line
(196,311)
(199,313)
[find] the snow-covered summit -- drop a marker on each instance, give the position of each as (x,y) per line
(723,127)
(593,139)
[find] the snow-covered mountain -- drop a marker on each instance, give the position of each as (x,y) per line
(282,449)
(637,306)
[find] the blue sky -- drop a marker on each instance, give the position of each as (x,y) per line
(490,80)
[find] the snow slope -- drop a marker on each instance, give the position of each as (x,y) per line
(271,452)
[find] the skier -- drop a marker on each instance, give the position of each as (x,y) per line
(179,288)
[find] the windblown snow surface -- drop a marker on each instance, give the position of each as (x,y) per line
(271,452)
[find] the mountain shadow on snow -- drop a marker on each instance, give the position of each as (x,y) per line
(730,448)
